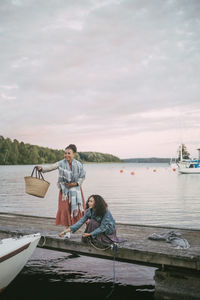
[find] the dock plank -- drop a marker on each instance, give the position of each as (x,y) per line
(136,249)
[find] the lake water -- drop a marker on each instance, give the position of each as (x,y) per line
(162,197)
(153,195)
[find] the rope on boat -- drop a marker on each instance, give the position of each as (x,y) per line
(44,241)
(98,248)
(114,247)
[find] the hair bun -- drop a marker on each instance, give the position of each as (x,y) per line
(72,147)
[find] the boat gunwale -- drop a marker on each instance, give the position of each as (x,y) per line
(14,253)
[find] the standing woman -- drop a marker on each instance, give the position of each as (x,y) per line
(71,203)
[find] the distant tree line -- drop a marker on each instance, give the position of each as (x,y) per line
(147,160)
(185,154)
(183,148)
(97,157)
(19,153)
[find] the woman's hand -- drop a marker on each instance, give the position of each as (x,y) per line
(86,234)
(65,231)
(70,185)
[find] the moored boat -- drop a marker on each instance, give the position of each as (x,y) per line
(14,253)
(189,166)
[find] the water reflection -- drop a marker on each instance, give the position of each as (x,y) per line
(50,274)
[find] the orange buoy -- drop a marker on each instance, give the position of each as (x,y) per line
(121,171)
(132,173)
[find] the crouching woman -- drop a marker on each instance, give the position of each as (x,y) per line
(100,223)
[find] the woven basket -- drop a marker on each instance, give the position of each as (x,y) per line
(36,186)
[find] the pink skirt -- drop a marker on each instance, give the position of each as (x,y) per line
(63,216)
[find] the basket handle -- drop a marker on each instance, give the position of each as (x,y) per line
(38,173)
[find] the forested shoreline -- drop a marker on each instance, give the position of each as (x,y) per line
(147,160)
(19,153)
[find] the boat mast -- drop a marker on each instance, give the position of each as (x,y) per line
(198,153)
(181,152)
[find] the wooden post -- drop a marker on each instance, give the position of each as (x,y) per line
(177,284)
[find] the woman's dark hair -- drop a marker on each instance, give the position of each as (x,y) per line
(72,147)
(100,205)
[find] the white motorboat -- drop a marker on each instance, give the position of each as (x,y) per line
(14,253)
(189,166)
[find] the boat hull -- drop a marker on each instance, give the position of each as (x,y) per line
(189,171)
(14,253)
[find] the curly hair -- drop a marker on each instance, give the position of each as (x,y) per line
(72,147)
(100,205)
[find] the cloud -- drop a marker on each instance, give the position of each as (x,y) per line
(117,71)
(8,87)
(4,96)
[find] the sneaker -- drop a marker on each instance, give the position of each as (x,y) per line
(67,235)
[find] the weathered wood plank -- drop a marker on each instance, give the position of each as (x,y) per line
(137,248)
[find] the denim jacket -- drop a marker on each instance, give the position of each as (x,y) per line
(106,223)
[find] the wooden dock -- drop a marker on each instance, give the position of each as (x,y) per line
(175,266)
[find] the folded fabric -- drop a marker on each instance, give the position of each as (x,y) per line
(175,238)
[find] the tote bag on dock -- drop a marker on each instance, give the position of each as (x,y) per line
(36,186)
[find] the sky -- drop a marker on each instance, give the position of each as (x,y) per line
(112,76)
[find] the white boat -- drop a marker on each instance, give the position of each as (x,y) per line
(14,253)
(189,166)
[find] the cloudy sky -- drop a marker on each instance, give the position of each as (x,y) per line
(114,76)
